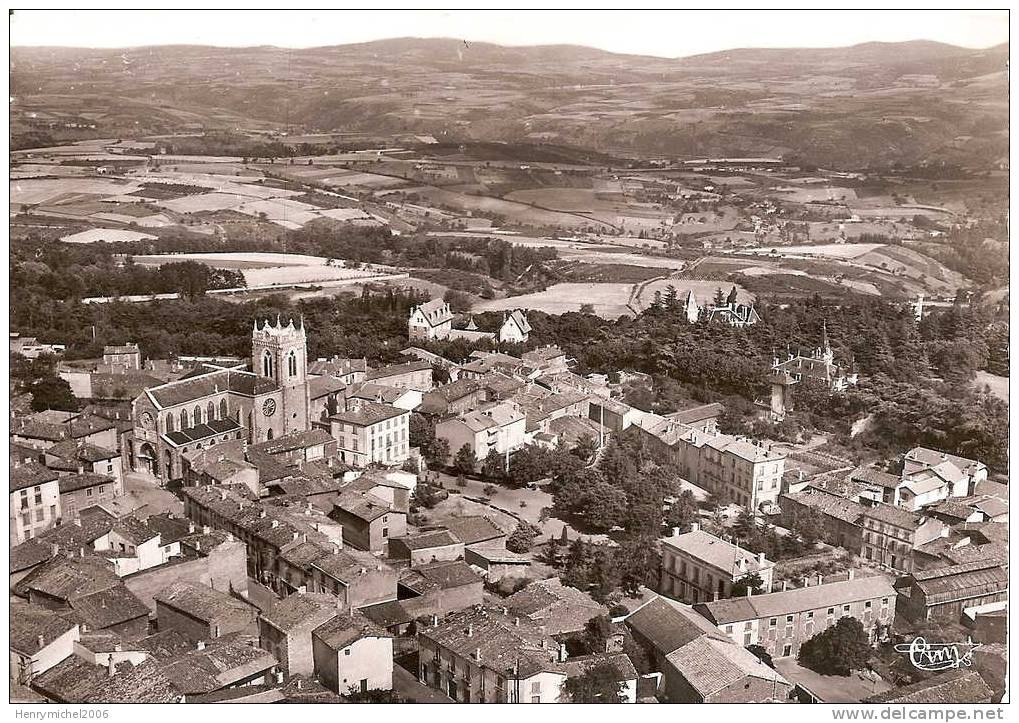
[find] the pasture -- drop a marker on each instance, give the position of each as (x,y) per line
(609,300)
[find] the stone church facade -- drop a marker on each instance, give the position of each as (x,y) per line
(215,404)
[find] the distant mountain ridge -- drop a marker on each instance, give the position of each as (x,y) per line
(852,106)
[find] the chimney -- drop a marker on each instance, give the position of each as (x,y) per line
(694,527)
(785,585)
(215,630)
(562,652)
(477,654)
(77,521)
(750,591)
(201,645)
(675,532)
(279,677)
(42,642)
(470,630)
(111,668)
(191,528)
(516,622)
(299,683)
(760,559)
(206,529)
(852,573)
(54,549)
(435,621)
(715,596)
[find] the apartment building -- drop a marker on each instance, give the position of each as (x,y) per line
(368,432)
(782,621)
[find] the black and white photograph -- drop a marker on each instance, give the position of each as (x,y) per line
(411,356)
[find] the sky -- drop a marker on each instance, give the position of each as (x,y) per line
(661,33)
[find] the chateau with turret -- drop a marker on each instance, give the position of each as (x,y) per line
(819,365)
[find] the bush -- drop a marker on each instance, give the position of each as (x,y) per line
(839,650)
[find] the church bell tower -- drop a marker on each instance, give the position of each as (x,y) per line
(281,353)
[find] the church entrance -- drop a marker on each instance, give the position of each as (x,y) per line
(147,460)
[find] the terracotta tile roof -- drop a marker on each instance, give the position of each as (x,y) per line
(430,539)
(109,607)
(301,609)
(65,579)
(875,477)
(205,604)
(30,474)
(71,450)
(956,687)
(893,515)
(559,608)
(166,644)
(223,662)
(716,552)
(344,629)
(473,529)
(368,414)
(398,369)
(668,625)
(77,681)
(293,441)
(33,627)
(505,642)
(435,576)
(82,480)
(709,665)
(618,662)
(801,599)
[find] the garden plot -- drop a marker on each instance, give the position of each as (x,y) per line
(292,214)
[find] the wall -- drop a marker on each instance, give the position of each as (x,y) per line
(369,658)
(750,690)
(456,433)
(48,508)
(58,650)
(223,569)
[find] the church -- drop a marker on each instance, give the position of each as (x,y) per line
(215,403)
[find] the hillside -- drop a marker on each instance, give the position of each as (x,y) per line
(845,107)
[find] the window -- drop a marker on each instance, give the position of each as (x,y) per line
(728,628)
(102,488)
(26,519)
(845,609)
(222,409)
(867,605)
(810,615)
(773,622)
(196,415)
(88,492)
(831,611)
(40,515)
(346,651)
(38,497)
(292,363)
(183,419)
(788,619)
(210,411)
(169,422)
(267,364)
(385,532)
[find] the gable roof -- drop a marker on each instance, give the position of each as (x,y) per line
(105,608)
(773,604)
(710,664)
(717,552)
(63,578)
(442,575)
(435,312)
(959,582)
(209,381)
(75,680)
(34,627)
(559,608)
(30,474)
(205,604)
(955,687)
(668,625)
(301,609)
(473,529)
(344,629)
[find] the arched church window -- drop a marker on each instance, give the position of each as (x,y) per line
(169,422)
(292,363)
(197,415)
(183,419)
(268,434)
(210,411)
(222,409)
(267,364)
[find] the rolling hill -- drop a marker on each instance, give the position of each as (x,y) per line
(869,104)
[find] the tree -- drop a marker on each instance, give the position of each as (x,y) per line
(683,511)
(597,633)
(839,650)
(52,392)
(599,684)
(587,308)
(522,538)
(463,463)
(585,447)
(751,581)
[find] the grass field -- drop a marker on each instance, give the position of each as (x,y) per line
(835,251)
(703,290)
(264,269)
(609,300)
